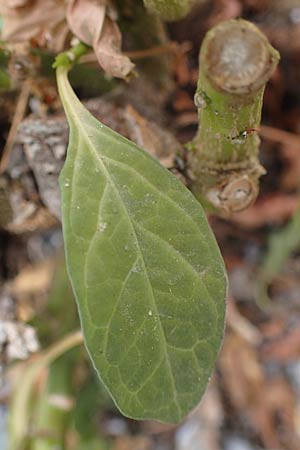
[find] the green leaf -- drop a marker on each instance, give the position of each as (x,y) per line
(146,270)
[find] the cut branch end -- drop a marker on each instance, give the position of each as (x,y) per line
(237,58)
(236,61)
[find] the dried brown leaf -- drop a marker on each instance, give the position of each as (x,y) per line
(267,404)
(17,3)
(240,367)
(291,176)
(32,280)
(241,325)
(86,19)
(41,20)
(90,23)
(108,51)
(273,209)
(158,141)
(284,348)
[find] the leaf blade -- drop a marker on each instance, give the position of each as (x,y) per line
(147,273)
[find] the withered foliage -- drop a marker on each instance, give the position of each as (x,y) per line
(49,24)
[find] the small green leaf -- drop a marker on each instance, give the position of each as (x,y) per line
(146,270)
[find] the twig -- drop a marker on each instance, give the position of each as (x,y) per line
(18,117)
(281,136)
(170,47)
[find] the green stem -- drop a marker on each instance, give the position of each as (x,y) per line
(69,58)
(20,407)
(170,9)
(55,404)
(66,93)
(236,61)
(142,31)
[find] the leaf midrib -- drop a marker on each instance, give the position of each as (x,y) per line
(167,244)
(171,200)
(153,303)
